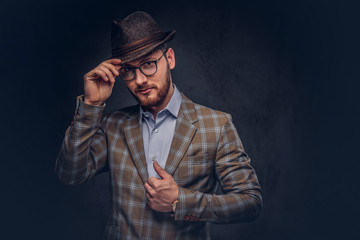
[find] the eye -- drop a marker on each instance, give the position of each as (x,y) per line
(127,69)
(148,65)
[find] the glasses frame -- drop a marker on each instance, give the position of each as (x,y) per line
(133,69)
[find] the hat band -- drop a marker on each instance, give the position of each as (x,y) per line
(139,45)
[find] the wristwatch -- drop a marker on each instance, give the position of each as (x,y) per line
(173,205)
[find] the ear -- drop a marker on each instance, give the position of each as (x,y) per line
(171,58)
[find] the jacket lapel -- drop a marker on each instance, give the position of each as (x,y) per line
(184,133)
(135,144)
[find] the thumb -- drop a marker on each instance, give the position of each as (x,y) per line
(159,170)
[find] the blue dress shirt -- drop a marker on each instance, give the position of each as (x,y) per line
(158,134)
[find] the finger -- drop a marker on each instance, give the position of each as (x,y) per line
(117,63)
(112,68)
(107,72)
(114,61)
(153,183)
(149,190)
(98,73)
(148,196)
(160,171)
(147,187)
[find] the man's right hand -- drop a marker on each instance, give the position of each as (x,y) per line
(99,82)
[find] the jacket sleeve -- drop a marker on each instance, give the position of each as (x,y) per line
(83,153)
(241,199)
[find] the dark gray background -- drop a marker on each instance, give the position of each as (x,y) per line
(287,71)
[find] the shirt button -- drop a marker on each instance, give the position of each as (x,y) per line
(156,130)
(153,158)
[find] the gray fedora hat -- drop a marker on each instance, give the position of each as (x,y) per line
(136,35)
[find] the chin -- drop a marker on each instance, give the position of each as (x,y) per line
(150,103)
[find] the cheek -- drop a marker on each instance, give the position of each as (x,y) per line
(131,87)
(162,77)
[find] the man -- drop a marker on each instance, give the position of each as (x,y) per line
(166,156)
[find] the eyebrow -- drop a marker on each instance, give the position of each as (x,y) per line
(147,58)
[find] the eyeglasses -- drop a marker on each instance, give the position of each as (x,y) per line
(148,68)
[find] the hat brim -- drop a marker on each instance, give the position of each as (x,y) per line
(137,54)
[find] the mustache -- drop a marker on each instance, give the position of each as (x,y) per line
(142,87)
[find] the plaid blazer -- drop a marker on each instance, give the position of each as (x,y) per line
(206,152)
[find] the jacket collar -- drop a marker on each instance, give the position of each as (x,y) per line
(184,133)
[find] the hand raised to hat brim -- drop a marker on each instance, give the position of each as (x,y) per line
(99,82)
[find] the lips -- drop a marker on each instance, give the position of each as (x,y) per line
(144,91)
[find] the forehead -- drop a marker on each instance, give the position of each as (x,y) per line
(150,56)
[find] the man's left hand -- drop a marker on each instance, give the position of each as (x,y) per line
(161,193)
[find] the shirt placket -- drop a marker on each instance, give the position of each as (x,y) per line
(155,144)
(154,149)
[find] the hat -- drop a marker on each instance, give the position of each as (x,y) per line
(136,35)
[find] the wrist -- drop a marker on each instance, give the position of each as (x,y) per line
(93,103)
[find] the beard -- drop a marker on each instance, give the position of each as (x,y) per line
(161,95)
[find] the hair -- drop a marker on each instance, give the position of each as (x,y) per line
(162,47)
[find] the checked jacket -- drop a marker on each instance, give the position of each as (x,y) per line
(206,153)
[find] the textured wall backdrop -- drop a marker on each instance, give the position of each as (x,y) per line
(285,70)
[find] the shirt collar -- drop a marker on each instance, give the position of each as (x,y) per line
(173,105)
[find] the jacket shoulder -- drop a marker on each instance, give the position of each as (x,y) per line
(205,113)
(120,115)
(124,112)
(203,110)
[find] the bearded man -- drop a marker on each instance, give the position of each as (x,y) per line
(167,156)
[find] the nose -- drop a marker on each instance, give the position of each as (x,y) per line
(140,78)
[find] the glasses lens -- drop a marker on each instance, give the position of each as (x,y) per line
(127,73)
(148,68)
